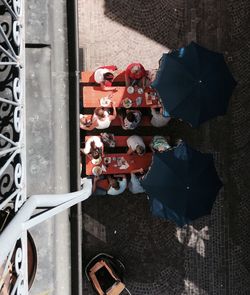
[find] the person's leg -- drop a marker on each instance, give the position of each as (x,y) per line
(99,192)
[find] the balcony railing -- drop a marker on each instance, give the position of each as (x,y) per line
(12,136)
(17,211)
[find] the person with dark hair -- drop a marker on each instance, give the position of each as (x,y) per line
(94,148)
(104,76)
(135,74)
(86,122)
(118,184)
(131,119)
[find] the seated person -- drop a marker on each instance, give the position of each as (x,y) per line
(100,185)
(131,119)
(118,184)
(135,74)
(134,184)
(160,143)
(94,148)
(102,119)
(111,185)
(158,120)
(136,145)
(86,122)
(105,76)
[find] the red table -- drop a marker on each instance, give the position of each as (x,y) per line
(93,94)
(134,161)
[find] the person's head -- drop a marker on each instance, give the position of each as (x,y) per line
(108,76)
(158,110)
(130,117)
(85,121)
(95,154)
(100,112)
(114,183)
(108,79)
(95,151)
(136,69)
(140,150)
(161,149)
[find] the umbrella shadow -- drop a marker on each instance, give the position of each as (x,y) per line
(153,253)
(150,18)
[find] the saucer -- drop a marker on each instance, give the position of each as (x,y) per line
(130,89)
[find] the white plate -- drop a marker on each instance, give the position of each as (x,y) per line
(96,161)
(130,89)
(105,101)
(140,90)
(127,103)
(97,170)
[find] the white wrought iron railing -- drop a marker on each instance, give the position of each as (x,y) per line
(13,195)
(12,139)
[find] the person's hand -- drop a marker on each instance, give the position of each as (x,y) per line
(96,178)
(141,170)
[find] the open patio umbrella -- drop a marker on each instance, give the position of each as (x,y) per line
(181,184)
(194,84)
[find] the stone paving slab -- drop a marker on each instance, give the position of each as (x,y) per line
(47,138)
(211,256)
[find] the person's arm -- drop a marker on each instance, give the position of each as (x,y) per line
(107,88)
(91,127)
(112,117)
(127,79)
(96,178)
(102,148)
(141,171)
(130,151)
(143,82)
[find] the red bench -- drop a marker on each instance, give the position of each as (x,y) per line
(88,77)
(145,121)
(121,141)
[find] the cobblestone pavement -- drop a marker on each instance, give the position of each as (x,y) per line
(211,256)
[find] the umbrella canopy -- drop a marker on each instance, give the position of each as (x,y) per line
(194,84)
(182,184)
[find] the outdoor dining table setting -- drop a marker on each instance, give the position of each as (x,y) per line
(127,97)
(193,84)
(117,163)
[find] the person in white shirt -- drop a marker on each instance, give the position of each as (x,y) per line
(134,184)
(135,144)
(102,119)
(158,120)
(118,184)
(93,147)
(104,76)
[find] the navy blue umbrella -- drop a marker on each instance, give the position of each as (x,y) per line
(194,84)
(181,184)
